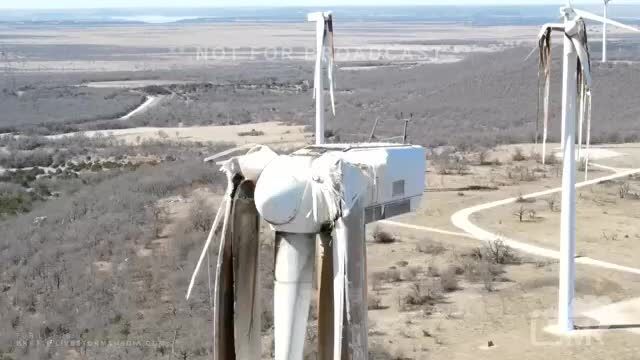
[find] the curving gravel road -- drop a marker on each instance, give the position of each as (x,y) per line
(461,220)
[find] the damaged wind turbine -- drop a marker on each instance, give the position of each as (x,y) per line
(322,191)
(576,69)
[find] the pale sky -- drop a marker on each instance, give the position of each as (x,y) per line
(81,4)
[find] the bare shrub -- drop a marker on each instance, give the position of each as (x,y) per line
(422,293)
(461,166)
(518,155)
(552,203)
(433,271)
(551,159)
(609,237)
(377,279)
(411,273)
(520,212)
(498,253)
(623,190)
(483,158)
(383,237)
(449,279)
(582,165)
(448,162)
(482,270)
(162,134)
(431,247)
(201,214)
(253,132)
(374,302)
(378,352)
(526,174)
(391,275)
(158,223)
(536,156)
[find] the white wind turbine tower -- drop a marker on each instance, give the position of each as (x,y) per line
(575,52)
(604,32)
(327,191)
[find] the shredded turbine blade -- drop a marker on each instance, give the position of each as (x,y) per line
(586,158)
(318,70)
(214,227)
(582,48)
(223,327)
(325,298)
(544,46)
(339,289)
(583,97)
(331,65)
(245,244)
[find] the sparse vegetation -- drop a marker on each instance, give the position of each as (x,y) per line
(422,293)
(551,159)
(449,279)
(84,270)
(520,212)
(253,132)
(518,155)
(383,237)
(429,246)
(552,203)
(374,302)
(623,190)
(201,214)
(498,253)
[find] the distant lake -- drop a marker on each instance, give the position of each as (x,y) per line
(154,19)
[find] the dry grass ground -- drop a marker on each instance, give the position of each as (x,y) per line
(261,133)
(514,313)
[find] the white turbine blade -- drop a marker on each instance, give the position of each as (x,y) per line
(583,98)
(214,227)
(541,34)
(293,277)
(319,19)
(552,26)
(331,65)
(325,298)
(339,287)
(229,151)
(531,53)
(317,74)
(588,145)
(583,55)
(245,230)
(587,15)
(223,329)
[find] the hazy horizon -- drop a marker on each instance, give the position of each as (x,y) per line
(158,4)
(476,14)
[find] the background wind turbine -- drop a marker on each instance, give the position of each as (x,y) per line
(324,56)
(576,64)
(604,32)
